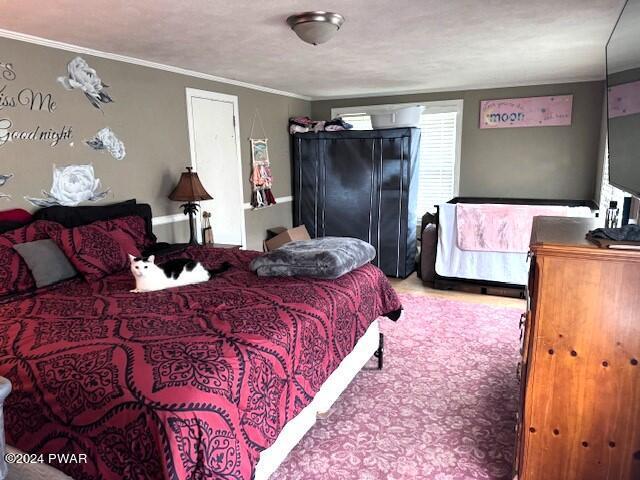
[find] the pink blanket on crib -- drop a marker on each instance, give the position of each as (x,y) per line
(498,227)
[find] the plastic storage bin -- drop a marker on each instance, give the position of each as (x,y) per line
(402,117)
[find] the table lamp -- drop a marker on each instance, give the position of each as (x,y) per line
(190,190)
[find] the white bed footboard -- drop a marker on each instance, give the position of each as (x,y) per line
(292,433)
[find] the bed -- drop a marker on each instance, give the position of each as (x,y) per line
(194,382)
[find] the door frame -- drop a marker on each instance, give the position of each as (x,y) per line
(192,93)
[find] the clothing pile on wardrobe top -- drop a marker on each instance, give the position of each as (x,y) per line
(305,124)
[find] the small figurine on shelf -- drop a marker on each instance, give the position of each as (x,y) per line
(207,232)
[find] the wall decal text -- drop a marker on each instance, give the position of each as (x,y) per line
(40,134)
(526,112)
(6,70)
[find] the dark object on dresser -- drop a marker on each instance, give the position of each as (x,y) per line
(628,234)
(361,184)
(579,415)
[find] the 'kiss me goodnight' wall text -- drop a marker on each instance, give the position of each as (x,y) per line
(12,98)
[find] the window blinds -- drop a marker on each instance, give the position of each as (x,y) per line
(437,160)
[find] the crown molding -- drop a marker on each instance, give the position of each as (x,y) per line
(24,37)
(457,90)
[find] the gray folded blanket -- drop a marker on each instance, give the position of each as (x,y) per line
(328,257)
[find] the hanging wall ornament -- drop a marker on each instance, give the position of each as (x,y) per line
(81,76)
(261,177)
(105,139)
(71,185)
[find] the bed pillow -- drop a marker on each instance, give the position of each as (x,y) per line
(133,225)
(328,257)
(15,276)
(47,263)
(12,219)
(103,247)
(86,214)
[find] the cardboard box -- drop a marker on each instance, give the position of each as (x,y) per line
(285,235)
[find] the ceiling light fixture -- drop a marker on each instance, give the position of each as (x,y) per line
(315,27)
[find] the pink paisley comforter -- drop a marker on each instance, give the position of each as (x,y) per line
(189,383)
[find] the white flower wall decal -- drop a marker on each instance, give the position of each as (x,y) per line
(4,178)
(105,139)
(85,78)
(71,185)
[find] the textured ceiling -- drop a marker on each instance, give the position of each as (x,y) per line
(623,52)
(385,46)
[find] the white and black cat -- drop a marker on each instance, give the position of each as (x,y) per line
(174,273)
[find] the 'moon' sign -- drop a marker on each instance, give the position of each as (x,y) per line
(526,112)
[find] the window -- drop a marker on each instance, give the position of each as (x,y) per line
(441,125)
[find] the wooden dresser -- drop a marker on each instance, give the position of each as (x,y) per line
(580,379)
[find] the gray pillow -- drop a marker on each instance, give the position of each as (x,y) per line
(46,261)
(328,257)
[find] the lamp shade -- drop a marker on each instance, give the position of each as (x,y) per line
(189,188)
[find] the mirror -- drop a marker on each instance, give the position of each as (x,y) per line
(623,99)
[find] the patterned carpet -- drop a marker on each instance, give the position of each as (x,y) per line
(442,409)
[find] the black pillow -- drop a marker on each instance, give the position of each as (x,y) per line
(8,226)
(46,261)
(77,216)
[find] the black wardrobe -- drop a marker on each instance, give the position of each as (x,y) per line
(363,184)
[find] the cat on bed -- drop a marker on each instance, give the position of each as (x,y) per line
(174,273)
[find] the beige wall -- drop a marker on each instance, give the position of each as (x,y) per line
(149,116)
(540,162)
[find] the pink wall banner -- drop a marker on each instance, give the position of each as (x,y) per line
(526,112)
(624,99)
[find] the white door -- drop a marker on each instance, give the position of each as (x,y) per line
(215,156)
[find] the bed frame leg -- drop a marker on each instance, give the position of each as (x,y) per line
(379,353)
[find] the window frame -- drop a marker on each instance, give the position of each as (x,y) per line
(441,106)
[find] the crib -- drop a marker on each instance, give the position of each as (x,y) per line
(447,267)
